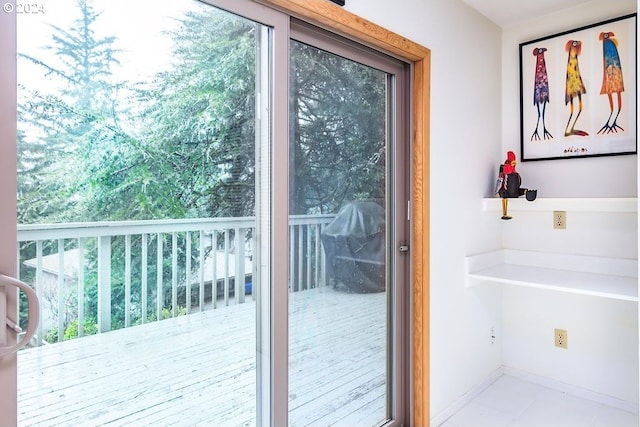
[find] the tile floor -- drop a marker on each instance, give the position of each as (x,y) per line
(512,402)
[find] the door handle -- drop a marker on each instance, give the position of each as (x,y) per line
(33,315)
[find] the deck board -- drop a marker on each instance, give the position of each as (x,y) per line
(200,369)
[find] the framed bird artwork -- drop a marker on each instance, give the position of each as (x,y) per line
(578,92)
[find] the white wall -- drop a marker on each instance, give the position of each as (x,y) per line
(602,356)
(465,149)
(603,334)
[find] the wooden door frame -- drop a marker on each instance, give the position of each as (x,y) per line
(332,17)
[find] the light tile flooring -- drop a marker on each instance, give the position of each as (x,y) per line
(512,402)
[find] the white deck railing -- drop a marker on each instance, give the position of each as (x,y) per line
(95,271)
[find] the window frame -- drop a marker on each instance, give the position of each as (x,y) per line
(397,194)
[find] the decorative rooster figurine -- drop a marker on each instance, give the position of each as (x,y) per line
(509,184)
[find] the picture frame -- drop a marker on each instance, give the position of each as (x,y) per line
(578,92)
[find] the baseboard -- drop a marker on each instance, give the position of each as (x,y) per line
(459,403)
(572,390)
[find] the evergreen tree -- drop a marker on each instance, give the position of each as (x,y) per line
(198,120)
(65,134)
(67,126)
(338,131)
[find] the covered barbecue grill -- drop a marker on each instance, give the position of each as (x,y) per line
(354,243)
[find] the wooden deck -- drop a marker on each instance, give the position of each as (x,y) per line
(200,369)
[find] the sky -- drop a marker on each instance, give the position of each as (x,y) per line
(137,25)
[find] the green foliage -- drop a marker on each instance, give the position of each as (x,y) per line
(182,145)
(190,151)
(90,327)
(198,121)
(167,313)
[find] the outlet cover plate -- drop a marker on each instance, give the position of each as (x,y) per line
(560,338)
(560,220)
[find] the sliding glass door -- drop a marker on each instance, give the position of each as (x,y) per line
(143,210)
(346,278)
(212,208)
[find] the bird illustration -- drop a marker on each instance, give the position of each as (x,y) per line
(540,92)
(574,86)
(612,81)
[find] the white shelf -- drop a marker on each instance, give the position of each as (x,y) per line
(621,205)
(586,275)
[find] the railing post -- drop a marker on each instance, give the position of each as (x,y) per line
(299,285)
(316,262)
(187,279)
(159,278)
(61,290)
(81,262)
(174,274)
(214,269)
(39,290)
(104,283)
(127,280)
(293,285)
(226,266)
(308,240)
(323,259)
(144,280)
(239,281)
(201,271)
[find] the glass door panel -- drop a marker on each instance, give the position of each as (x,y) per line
(137,188)
(339,261)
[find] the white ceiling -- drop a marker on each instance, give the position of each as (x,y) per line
(506,13)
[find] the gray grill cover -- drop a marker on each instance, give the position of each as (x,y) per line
(354,244)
